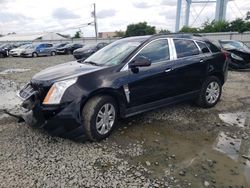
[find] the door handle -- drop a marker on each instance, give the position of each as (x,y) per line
(168,70)
(201,60)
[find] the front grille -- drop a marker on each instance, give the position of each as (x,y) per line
(26,92)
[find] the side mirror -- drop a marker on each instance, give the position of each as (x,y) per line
(140,61)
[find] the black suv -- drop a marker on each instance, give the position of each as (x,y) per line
(127,77)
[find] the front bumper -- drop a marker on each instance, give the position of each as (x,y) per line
(57,120)
(26,54)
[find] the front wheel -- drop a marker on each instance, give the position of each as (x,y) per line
(99,117)
(210,92)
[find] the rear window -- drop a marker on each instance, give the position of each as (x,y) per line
(203,47)
(212,47)
(185,48)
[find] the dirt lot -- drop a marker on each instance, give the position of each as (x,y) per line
(177,146)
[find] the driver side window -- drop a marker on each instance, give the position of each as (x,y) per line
(156,51)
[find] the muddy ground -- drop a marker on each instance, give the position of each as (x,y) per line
(176,146)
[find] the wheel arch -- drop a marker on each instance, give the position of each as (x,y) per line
(114,93)
(218,75)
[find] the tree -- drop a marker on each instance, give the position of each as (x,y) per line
(248,15)
(120,33)
(238,25)
(77,34)
(164,31)
(215,26)
(139,29)
(186,29)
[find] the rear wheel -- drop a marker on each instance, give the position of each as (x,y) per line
(210,93)
(99,117)
(53,53)
(34,54)
(1,55)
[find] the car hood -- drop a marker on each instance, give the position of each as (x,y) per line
(243,50)
(17,50)
(63,71)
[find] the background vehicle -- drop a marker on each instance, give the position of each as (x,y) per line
(239,52)
(16,52)
(127,77)
(5,49)
(69,48)
(87,50)
(60,45)
(44,49)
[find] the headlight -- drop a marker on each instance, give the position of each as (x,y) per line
(234,56)
(57,90)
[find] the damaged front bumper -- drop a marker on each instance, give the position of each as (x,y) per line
(57,120)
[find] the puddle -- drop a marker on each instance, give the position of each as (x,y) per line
(228,145)
(211,156)
(9,71)
(240,119)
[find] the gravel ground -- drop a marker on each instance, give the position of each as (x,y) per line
(176,146)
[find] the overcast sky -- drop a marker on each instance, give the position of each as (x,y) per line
(31,16)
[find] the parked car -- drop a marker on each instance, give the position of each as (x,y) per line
(240,53)
(60,45)
(5,49)
(16,52)
(87,50)
(128,77)
(69,48)
(43,49)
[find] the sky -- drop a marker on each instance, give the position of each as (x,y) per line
(67,17)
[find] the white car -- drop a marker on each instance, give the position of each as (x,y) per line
(16,52)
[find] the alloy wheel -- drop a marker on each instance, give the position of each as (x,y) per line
(212,92)
(105,119)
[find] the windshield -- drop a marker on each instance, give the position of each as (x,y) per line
(25,46)
(3,45)
(233,44)
(114,53)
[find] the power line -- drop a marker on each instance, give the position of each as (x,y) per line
(200,12)
(242,15)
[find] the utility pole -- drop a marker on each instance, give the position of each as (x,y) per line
(95,22)
(178,16)
(221,8)
(187,12)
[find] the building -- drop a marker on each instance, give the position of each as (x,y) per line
(32,37)
(107,34)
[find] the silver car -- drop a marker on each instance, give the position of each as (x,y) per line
(16,52)
(43,49)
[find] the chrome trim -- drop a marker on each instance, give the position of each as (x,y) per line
(173,49)
(125,67)
(127,92)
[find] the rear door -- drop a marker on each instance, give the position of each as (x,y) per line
(190,65)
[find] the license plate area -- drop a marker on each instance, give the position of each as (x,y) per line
(26,92)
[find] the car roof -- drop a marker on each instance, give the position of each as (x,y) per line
(171,35)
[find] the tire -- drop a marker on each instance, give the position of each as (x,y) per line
(92,113)
(209,96)
(1,55)
(53,53)
(68,52)
(34,54)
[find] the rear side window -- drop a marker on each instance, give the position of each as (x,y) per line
(212,47)
(185,48)
(203,47)
(156,51)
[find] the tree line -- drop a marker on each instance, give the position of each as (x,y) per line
(238,25)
